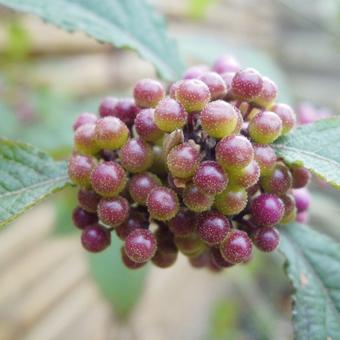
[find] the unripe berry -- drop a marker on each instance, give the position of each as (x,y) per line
(140,186)
(247,84)
(210,178)
(239,124)
(79,170)
(106,107)
(193,94)
(170,115)
(196,200)
(236,247)
(126,110)
(128,262)
(301,176)
(146,126)
(231,201)
(265,157)
(148,92)
(183,160)
(234,152)
(212,227)
(162,203)
(247,176)
(159,166)
(140,245)
(84,139)
(219,119)
(215,83)
(195,72)
(266,209)
(88,200)
(265,127)
(95,238)
(183,224)
(84,118)
(267,94)
(113,211)
(173,88)
(266,239)
(82,218)
(136,155)
(302,199)
(287,116)
(278,181)
(135,220)
(226,63)
(108,179)
(111,133)
(228,79)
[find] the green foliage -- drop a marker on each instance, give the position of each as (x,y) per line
(316,146)
(313,266)
(133,24)
(120,286)
(27,176)
(198,8)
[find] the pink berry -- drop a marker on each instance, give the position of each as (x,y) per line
(140,245)
(212,227)
(79,170)
(287,116)
(226,63)
(126,110)
(278,181)
(267,94)
(265,157)
(106,107)
(183,224)
(215,83)
(301,176)
(231,201)
(247,84)
(302,199)
(247,176)
(113,211)
(84,118)
(84,139)
(236,247)
(148,92)
(195,72)
(146,126)
(196,200)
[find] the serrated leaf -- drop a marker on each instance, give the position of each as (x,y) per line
(316,146)
(121,286)
(123,23)
(313,266)
(27,176)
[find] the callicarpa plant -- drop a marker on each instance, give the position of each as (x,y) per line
(188,168)
(204,161)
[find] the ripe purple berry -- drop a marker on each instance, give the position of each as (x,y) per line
(113,211)
(266,209)
(183,224)
(302,199)
(236,247)
(140,186)
(136,155)
(95,238)
(212,227)
(82,218)
(190,245)
(135,221)
(266,239)
(247,84)
(88,200)
(210,178)
(217,259)
(106,107)
(128,262)
(162,203)
(148,92)
(126,110)
(193,94)
(140,245)
(108,179)
(301,176)
(219,119)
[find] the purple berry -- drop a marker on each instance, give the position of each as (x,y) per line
(226,63)
(128,262)
(88,200)
(113,211)
(247,84)
(302,199)
(95,238)
(183,224)
(266,239)
(148,92)
(146,126)
(106,107)
(301,176)
(82,218)
(215,83)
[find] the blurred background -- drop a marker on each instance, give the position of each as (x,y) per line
(51,289)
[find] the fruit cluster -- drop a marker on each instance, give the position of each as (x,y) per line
(189,169)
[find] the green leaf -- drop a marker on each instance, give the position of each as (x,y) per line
(315,146)
(121,286)
(27,176)
(313,266)
(124,23)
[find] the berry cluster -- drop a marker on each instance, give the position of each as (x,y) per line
(189,169)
